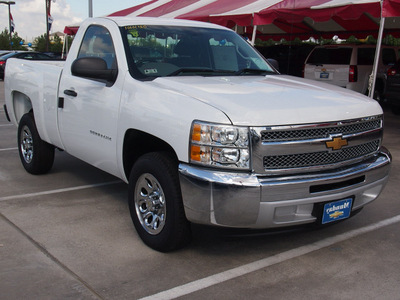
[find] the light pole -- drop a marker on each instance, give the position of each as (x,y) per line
(48,3)
(9,3)
(90,9)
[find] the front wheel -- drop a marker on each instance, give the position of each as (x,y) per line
(36,155)
(396,110)
(155,203)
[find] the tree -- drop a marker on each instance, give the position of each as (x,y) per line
(5,41)
(40,43)
(56,45)
(352,40)
(370,40)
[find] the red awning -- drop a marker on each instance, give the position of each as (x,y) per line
(277,18)
(71,29)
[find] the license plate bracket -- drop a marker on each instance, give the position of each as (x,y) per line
(324,75)
(336,210)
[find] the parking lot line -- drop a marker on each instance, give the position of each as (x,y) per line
(200,284)
(42,249)
(8,149)
(81,187)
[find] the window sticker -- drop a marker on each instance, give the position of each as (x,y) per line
(135,27)
(150,71)
(134,33)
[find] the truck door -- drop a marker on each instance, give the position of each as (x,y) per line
(88,108)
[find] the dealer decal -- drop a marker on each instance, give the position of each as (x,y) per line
(337,210)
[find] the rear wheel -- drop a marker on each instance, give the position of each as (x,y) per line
(155,203)
(396,110)
(378,96)
(36,155)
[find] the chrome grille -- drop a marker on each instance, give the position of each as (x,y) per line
(290,149)
(319,158)
(321,131)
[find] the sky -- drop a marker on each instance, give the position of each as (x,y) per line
(30,15)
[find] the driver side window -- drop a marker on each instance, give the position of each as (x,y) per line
(97,42)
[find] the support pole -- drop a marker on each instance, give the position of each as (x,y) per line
(253,37)
(372,77)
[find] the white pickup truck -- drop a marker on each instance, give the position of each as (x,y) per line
(201,126)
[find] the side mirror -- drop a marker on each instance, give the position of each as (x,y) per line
(94,68)
(274,63)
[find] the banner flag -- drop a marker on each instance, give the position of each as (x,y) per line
(50,21)
(12,23)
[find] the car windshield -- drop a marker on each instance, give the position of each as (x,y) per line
(157,51)
(8,55)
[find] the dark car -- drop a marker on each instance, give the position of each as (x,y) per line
(392,92)
(4,52)
(290,58)
(22,55)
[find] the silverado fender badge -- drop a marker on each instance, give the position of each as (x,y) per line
(337,143)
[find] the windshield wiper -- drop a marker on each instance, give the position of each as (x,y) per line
(253,71)
(200,70)
(191,70)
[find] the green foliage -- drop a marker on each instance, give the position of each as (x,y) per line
(40,43)
(5,41)
(370,40)
(261,43)
(388,40)
(55,45)
(352,40)
(297,41)
(323,41)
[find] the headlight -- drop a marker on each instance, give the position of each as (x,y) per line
(220,145)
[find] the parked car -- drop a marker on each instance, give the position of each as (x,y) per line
(24,55)
(289,58)
(392,91)
(3,52)
(349,66)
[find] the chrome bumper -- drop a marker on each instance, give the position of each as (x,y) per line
(251,201)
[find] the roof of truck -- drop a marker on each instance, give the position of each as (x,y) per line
(126,21)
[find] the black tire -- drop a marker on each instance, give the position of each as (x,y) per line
(396,110)
(36,155)
(378,96)
(155,203)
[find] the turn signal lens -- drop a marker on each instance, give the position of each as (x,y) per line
(353,73)
(220,145)
(391,72)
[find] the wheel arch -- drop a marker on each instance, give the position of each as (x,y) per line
(138,143)
(22,104)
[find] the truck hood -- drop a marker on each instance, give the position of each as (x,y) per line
(272,99)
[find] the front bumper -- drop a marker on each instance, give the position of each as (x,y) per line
(253,201)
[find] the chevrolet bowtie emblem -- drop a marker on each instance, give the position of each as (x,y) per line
(337,143)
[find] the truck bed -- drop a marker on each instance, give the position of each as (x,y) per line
(38,81)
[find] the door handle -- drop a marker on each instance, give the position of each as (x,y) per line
(70,93)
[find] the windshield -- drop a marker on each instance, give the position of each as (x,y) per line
(156,51)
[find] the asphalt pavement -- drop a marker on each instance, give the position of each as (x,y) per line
(68,235)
